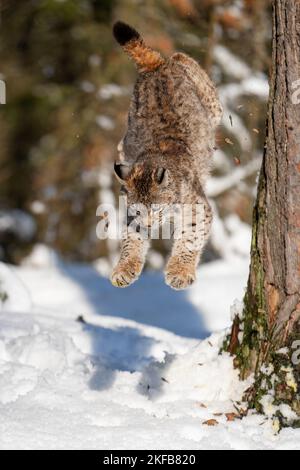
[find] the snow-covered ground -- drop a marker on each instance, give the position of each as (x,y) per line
(86,365)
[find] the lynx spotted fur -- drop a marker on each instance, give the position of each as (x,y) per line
(165,155)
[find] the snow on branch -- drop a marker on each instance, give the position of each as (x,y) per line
(218,185)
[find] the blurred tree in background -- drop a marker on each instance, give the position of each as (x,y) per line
(68,90)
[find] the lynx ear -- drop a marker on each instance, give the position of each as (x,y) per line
(161,176)
(122,171)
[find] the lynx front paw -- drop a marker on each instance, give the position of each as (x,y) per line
(125,274)
(179,276)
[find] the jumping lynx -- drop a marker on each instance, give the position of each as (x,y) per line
(166,154)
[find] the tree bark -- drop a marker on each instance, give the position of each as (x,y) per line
(271,316)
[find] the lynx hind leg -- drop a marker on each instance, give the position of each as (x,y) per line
(132,260)
(206,90)
(181,268)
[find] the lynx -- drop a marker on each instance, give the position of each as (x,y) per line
(165,155)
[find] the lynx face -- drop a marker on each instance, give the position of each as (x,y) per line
(148,190)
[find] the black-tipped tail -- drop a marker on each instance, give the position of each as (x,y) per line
(145,57)
(124,33)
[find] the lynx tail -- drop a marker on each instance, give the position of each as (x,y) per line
(145,58)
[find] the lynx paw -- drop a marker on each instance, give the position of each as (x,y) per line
(125,274)
(179,276)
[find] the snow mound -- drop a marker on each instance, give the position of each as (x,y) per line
(196,376)
(17,223)
(17,297)
(41,256)
(75,375)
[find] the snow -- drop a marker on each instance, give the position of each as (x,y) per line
(87,86)
(19,299)
(221,184)
(84,365)
(38,207)
(18,223)
(111,90)
(230,237)
(230,63)
(105,122)
(252,86)
(237,127)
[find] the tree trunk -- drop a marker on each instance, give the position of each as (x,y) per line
(271,316)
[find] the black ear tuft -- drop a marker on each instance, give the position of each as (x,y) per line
(160,175)
(122,171)
(124,33)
